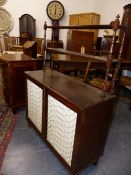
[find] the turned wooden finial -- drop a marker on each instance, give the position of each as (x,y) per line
(115,24)
(118,72)
(44,46)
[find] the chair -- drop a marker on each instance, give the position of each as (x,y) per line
(8,43)
(2,44)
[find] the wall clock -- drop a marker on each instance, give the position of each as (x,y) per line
(2,2)
(55,10)
(6,21)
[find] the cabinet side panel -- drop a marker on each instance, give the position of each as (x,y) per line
(98,119)
(61,128)
(35,94)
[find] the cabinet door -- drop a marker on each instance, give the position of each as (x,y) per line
(35,101)
(61,127)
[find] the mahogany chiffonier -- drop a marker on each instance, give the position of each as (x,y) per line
(13,67)
(72,117)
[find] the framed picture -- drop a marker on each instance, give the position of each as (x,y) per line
(6,21)
(2,2)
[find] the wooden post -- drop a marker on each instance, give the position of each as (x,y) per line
(44,46)
(115,25)
(117,72)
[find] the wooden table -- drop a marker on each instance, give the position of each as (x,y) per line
(66,58)
(64,63)
(13,67)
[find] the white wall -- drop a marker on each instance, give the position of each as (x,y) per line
(109,9)
(37,8)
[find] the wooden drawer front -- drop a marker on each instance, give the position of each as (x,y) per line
(34,95)
(61,126)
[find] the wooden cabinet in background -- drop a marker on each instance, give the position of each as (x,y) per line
(27,28)
(13,67)
(77,39)
(85,19)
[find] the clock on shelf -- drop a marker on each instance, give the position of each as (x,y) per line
(55,11)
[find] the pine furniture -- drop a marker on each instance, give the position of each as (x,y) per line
(85,19)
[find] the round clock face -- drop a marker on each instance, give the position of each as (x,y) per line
(55,10)
(6,22)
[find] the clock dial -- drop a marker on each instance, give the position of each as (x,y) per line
(55,10)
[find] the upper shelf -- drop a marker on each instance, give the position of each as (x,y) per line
(90,57)
(83,27)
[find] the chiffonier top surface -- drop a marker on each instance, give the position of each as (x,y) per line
(73,91)
(16,57)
